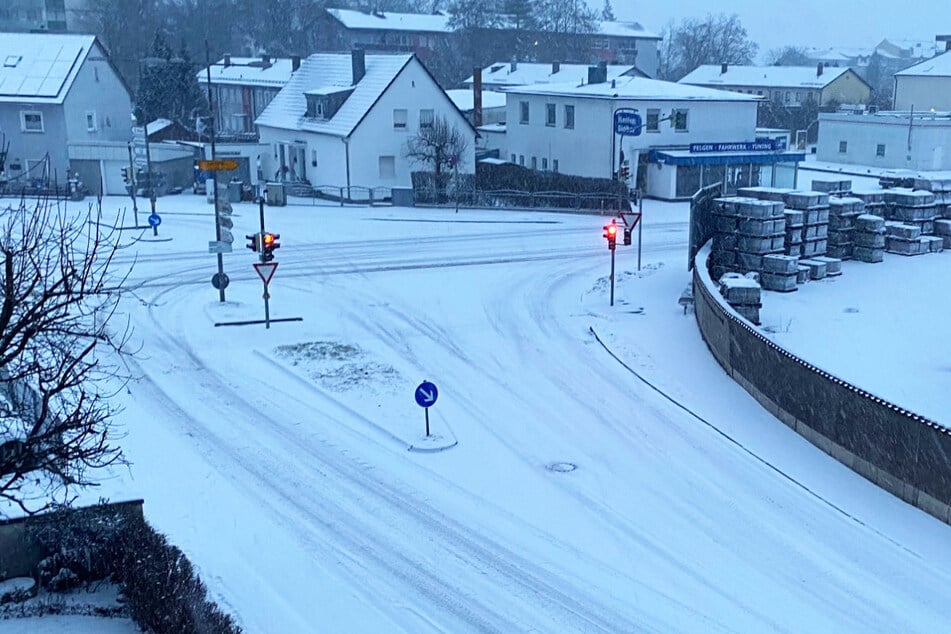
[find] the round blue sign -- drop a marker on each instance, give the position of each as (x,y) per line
(155,220)
(426,394)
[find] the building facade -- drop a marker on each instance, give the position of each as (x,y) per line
(343,121)
(35,16)
(63,109)
(895,140)
(925,86)
(687,135)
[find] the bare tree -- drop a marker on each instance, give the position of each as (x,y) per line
(440,145)
(715,39)
(788,56)
(60,357)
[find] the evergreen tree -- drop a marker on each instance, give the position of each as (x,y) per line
(607,13)
(520,13)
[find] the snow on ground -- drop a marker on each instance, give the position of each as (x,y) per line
(72,624)
(576,498)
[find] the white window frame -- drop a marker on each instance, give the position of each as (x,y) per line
(524,113)
(427,118)
(91,121)
(551,115)
(23,125)
(400,118)
(391,161)
(655,129)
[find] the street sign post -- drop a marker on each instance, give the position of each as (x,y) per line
(426,395)
(219,246)
(155,220)
(266,272)
(218,165)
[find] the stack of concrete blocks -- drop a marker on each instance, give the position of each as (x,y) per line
(795,220)
(746,230)
(815,213)
(743,294)
(780,272)
(842,214)
(906,239)
(942,229)
(913,207)
(941,188)
(869,238)
(833,265)
(874,201)
(832,187)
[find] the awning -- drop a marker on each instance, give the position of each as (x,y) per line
(684,157)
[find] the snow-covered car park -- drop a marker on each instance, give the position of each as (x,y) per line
(567,483)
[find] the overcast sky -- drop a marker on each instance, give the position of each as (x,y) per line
(775,23)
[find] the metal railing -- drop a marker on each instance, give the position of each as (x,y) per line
(593,201)
(341,195)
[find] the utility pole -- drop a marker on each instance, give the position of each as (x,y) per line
(211,110)
(148,168)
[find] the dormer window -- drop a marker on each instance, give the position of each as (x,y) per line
(323,103)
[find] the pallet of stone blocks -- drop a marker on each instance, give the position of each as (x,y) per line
(815,213)
(912,207)
(942,229)
(833,265)
(743,294)
(869,238)
(832,187)
(874,201)
(780,273)
(906,239)
(746,229)
(842,213)
(794,224)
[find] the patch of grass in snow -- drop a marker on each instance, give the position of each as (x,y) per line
(337,366)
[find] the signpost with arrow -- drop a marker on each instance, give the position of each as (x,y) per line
(426,395)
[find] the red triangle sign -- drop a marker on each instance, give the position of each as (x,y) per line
(265,271)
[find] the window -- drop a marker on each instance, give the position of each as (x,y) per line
(679,119)
(91,121)
(843,147)
(880,150)
(521,160)
(523,112)
(544,164)
(399,119)
(387,167)
(320,109)
(554,165)
(570,117)
(31,121)
(787,96)
(426,118)
(313,158)
(550,114)
(653,120)
(798,96)
(534,162)
(514,159)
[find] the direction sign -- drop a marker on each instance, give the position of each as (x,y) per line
(214,246)
(226,235)
(218,165)
(155,220)
(426,394)
(627,122)
(265,271)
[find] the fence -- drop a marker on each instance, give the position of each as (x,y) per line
(341,195)
(596,201)
(900,451)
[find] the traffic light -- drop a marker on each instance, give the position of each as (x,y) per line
(125,175)
(624,172)
(610,232)
(254,242)
(269,242)
(627,236)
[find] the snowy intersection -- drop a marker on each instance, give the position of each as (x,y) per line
(277,459)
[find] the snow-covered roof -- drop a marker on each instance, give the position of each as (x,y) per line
(463,99)
(627,29)
(635,88)
(157,126)
(40,67)
(239,73)
(323,71)
(764,76)
(527,73)
(939,66)
(421,22)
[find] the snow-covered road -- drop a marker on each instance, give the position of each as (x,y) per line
(576,499)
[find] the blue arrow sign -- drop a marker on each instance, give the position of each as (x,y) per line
(426,394)
(155,220)
(627,122)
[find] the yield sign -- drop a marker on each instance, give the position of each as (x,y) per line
(265,271)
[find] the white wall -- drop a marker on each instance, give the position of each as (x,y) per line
(99,91)
(922,93)
(863,134)
(586,149)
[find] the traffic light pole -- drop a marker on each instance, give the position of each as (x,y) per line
(211,110)
(135,206)
(612,277)
(267,295)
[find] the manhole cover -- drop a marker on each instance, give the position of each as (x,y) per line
(562,467)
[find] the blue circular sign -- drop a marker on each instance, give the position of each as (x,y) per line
(426,394)
(155,220)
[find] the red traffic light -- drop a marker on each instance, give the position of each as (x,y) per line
(268,239)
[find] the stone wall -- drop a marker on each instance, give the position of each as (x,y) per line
(900,451)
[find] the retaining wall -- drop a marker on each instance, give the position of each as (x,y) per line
(900,451)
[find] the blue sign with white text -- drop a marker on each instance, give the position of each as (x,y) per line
(426,394)
(627,122)
(759,145)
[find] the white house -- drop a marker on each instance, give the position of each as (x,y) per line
(894,139)
(64,109)
(925,86)
(343,120)
(688,136)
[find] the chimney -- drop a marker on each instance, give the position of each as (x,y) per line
(295,62)
(358,62)
(555,67)
(724,67)
(597,74)
(819,69)
(476,96)
(265,61)
(227,61)
(513,66)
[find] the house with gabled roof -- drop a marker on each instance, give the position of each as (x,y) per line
(515,73)
(925,86)
(63,109)
(344,120)
(787,85)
